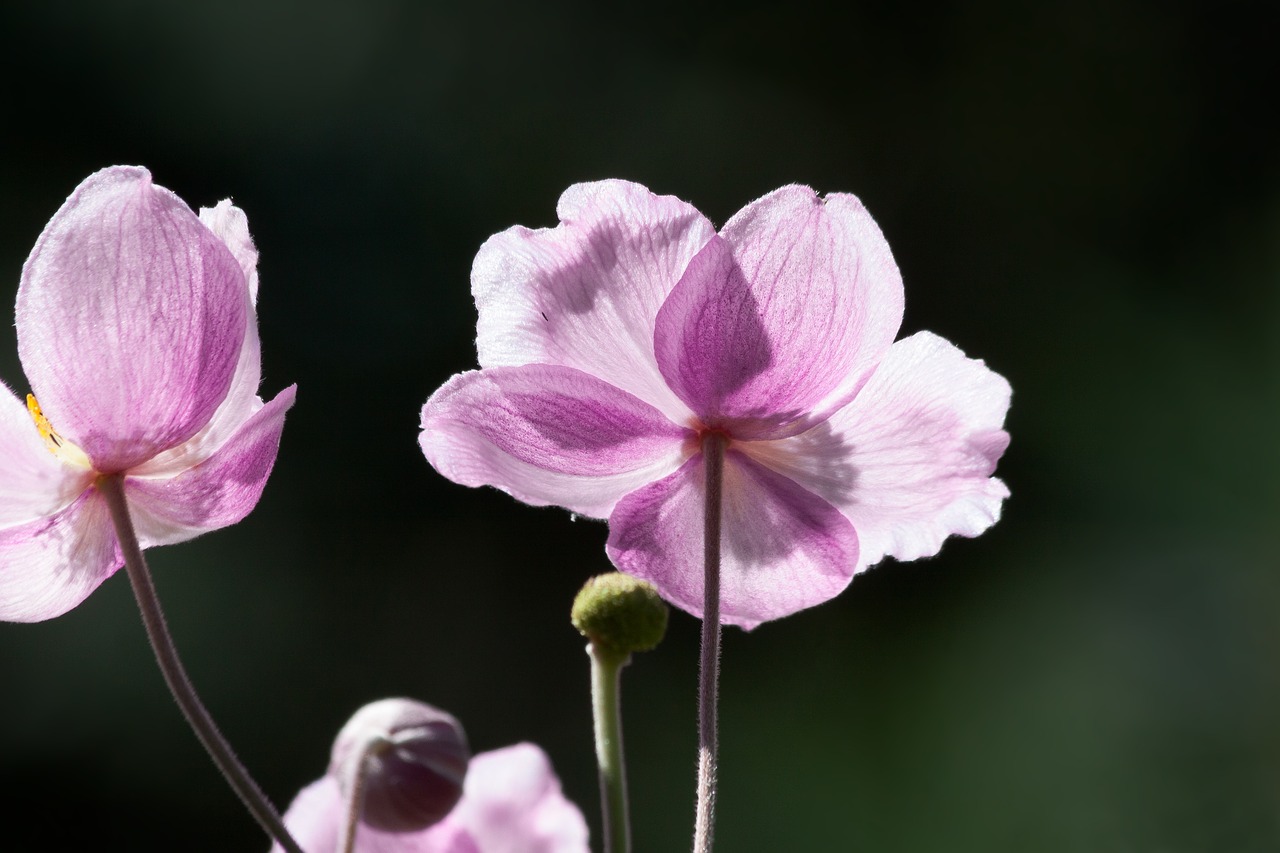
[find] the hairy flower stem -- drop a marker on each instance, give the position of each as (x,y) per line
(111,487)
(355,802)
(606,707)
(713,446)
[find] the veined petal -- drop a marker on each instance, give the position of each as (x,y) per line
(230,225)
(710,340)
(784,332)
(34,484)
(548,435)
(909,461)
(49,566)
(216,493)
(131,315)
(585,294)
(783,548)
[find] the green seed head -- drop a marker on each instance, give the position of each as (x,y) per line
(620,614)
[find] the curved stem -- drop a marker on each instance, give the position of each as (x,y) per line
(713,447)
(606,706)
(111,487)
(355,802)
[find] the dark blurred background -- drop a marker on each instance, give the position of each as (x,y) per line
(1084,194)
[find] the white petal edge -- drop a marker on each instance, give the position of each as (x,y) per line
(49,566)
(909,460)
(586,293)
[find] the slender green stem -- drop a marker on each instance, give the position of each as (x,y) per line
(606,705)
(713,447)
(111,488)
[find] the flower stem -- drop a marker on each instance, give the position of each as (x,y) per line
(355,802)
(713,446)
(606,706)
(111,487)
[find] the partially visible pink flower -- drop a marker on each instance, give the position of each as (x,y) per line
(611,344)
(408,759)
(511,803)
(138,334)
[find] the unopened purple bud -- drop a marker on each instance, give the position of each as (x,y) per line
(412,759)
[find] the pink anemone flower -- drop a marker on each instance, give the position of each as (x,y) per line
(611,344)
(511,803)
(138,335)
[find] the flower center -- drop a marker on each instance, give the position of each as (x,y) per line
(58,446)
(694,443)
(723,432)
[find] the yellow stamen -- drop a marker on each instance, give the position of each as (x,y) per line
(42,423)
(58,446)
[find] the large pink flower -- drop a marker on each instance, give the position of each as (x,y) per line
(611,343)
(138,335)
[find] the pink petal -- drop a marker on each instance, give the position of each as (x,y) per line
(909,461)
(548,435)
(49,566)
(511,803)
(314,818)
(585,294)
(782,333)
(231,226)
(34,484)
(130,315)
(216,493)
(783,548)
(710,342)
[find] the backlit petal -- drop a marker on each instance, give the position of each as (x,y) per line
(231,226)
(783,548)
(585,294)
(130,316)
(548,435)
(49,566)
(216,493)
(314,818)
(782,333)
(33,482)
(909,461)
(512,803)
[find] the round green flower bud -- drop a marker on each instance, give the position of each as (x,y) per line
(619,613)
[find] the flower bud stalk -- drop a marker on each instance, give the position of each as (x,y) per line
(619,614)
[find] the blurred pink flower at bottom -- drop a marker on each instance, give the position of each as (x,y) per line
(511,803)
